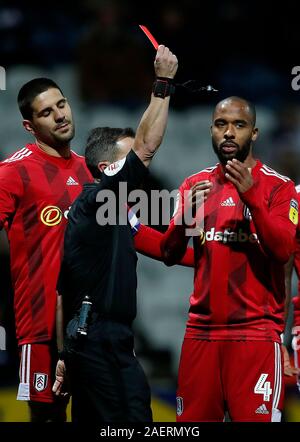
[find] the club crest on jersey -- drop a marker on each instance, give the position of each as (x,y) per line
(51,216)
(247,213)
(114,168)
(179,405)
(293,212)
(40,381)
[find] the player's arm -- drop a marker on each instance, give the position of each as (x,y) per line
(275,220)
(289,369)
(152,126)
(293,263)
(175,240)
(148,242)
(288,271)
(296,324)
(11,192)
(296,313)
(149,134)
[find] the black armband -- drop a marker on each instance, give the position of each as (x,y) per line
(163,87)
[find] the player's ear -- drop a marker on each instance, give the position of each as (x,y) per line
(27,124)
(102,165)
(254,134)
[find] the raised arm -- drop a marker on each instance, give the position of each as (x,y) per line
(153,123)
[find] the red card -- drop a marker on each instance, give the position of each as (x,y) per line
(149,35)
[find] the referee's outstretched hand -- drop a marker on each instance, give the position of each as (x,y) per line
(60,379)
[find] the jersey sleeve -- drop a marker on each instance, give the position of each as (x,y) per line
(148,242)
(275,219)
(175,240)
(11,191)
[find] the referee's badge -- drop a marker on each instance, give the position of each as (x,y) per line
(179,408)
(40,381)
(293,213)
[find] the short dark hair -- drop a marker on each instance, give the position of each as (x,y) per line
(101,145)
(29,91)
(249,104)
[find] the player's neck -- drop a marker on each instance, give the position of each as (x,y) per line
(250,162)
(63,151)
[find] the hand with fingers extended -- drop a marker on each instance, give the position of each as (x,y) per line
(165,63)
(60,385)
(239,175)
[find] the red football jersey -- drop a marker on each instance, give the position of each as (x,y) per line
(239,259)
(296,299)
(36,192)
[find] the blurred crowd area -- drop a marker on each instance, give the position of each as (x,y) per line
(96,52)
(243,47)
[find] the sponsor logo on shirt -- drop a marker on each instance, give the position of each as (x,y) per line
(230,236)
(40,381)
(293,213)
(51,216)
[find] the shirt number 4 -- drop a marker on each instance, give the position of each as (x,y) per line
(263,387)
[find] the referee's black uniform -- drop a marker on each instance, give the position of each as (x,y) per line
(107,382)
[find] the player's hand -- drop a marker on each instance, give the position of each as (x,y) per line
(289,370)
(165,63)
(198,194)
(60,379)
(239,175)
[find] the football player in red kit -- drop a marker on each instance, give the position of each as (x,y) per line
(294,264)
(38,184)
(231,355)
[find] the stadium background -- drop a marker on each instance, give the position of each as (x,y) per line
(97,54)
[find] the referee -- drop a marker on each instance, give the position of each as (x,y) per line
(98,273)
